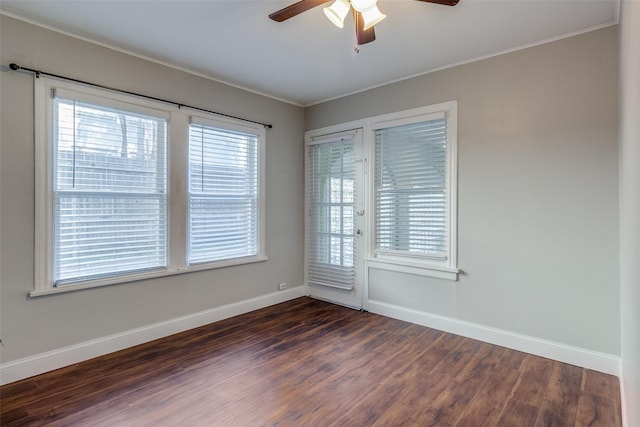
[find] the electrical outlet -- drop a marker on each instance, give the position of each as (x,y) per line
(282,286)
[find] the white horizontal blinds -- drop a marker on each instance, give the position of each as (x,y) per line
(223,194)
(110,199)
(330,192)
(411,201)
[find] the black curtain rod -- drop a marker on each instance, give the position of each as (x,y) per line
(37,73)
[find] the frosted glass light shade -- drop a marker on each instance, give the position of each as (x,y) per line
(372,16)
(337,12)
(362,5)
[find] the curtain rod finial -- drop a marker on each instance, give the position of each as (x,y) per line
(14,66)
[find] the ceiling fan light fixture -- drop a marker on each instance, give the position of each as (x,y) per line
(365,14)
(362,5)
(337,12)
(372,16)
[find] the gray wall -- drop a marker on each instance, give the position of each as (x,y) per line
(538,186)
(630,206)
(537,190)
(33,326)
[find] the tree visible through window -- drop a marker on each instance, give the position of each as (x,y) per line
(109,190)
(104,212)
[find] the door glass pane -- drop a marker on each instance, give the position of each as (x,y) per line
(330,192)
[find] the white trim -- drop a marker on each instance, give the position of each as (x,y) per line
(340,128)
(623,399)
(56,87)
(177,173)
(235,125)
(120,279)
(440,110)
(602,362)
(43,184)
(334,301)
(107,98)
(452,170)
(409,117)
(225,123)
(44,362)
(445,268)
(416,269)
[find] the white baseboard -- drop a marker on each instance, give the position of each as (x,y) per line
(623,400)
(602,362)
(44,362)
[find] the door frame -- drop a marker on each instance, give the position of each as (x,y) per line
(362,242)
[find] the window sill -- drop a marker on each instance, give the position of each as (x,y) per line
(415,268)
(116,280)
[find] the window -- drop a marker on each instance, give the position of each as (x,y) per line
(109,188)
(223,194)
(414,188)
(104,167)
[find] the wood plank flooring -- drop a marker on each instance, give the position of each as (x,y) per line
(309,363)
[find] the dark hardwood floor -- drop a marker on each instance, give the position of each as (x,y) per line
(309,363)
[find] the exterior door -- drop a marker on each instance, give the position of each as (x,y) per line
(335,218)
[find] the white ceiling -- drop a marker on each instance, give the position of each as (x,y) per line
(306,59)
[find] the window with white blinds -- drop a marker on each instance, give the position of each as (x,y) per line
(223,194)
(330,235)
(104,166)
(412,189)
(109,188)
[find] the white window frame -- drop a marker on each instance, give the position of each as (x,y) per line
(446,268)
(178,169)
(259,131)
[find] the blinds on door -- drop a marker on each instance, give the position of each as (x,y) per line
(330,232)
(410,184)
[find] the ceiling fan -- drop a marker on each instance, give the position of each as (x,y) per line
(365,14)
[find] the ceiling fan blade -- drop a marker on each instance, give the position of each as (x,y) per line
(296,9)
(443,2)
(362,36)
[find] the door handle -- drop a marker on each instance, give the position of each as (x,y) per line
(360,212)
